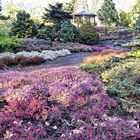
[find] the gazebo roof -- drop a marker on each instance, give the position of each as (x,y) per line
(84,13)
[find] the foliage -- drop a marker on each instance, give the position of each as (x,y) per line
(136,8)
(102,61)
(59,103)
(135,11)
(127,70)
(120,72)
(28,108)
(55,14)
(127,94)
(69,33)
(136,53)
(88,34)
(2,17)
(66,33)
(30,58)
(137,26)
(123,80)
(63,89)
(134,43)
(49,32)
(12,10)
(14,128)
(69,7)
(72,47)
(8,43)
(23,27)
(108,14)
(125,19)
(111,129)
(20,60)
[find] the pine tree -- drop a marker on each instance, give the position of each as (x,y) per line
(108,14)
(55,14)
(23,27)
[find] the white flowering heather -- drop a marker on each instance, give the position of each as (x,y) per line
(48,54)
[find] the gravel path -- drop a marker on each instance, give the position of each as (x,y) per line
(74,59)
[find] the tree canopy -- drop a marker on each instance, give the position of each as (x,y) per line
(108,13)
(55,14)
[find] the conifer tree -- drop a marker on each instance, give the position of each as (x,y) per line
(137,26)
(108,14)
(23,27)
(55,14)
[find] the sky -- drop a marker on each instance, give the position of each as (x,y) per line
(125,5)
(33,1)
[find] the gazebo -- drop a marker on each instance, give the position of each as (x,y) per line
(84,15)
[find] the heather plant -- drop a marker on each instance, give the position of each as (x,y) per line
(111,129)
(13,128)
(30,58)
(64,86)
(120,72)
(59,103)
(127,94)
(134,44)
(136,53)
(126,70)
(123,81)
(27,108)
(102,61)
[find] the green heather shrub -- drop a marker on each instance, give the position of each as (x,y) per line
(123,81)
(92,68)
(8,43)
(127,94)
(136,53)
(68,32)
(127,70)
(88,34)
(23,27)
(125,19)
(102,61)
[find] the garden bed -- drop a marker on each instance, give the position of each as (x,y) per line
(59,103)
(40,45)
(30,58)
